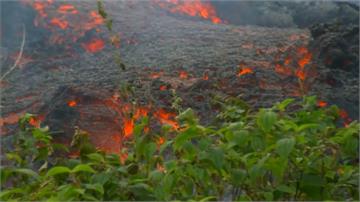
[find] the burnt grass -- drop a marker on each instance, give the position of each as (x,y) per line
(155,42)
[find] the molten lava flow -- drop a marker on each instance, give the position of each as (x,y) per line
(244,71)
(72,103)
(163,87)
(183,75)
(62,24)
(141,112)
(74,23)
(34,121)
(321,103)
(95,45)
(287,60)
(300,73)
(192,8)
(345,116)
(67,8)
(128,127)
(166,118)
(305,60)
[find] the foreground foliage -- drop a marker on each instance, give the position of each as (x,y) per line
(272,154)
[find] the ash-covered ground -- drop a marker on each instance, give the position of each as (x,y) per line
(165,53)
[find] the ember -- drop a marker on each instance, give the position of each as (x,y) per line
(62,24)
(162,87)
(95,45)
(67,8)
(244,71)
(321,103)
(72,103)
(183,75)
(128,127)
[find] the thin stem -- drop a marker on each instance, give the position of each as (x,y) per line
(19,56)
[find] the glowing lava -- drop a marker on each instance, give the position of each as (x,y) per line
(195,8)
(74,23)
(166,118)
(183,75)
(93,46)
(321,103)
(72,103)
(244,71)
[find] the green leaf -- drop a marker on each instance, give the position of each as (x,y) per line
(58,170)
(184,136)
(4,194)
(188,116)
(208,198)
(14,156)
(285,146)
(96,157)
(286,189)
(307,126)
(97,187)
(266,119)
(40,135)
(26,171)
(164,146)
(156,176)
(282,105)
(238,176)
(216,156)
(83,168)
(150,149)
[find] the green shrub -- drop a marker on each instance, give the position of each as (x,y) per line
(271,154)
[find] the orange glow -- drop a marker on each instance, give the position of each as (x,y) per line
(96,18)
(128,127)
(321,103)
(305,60)
(123,157)
(160,141)
(67,8)
(62,24)
(282,70)
(300,74)
(95,45)
(192,8)
(146,129)
(343,114)
(205,76)
(166,118)
(116,138)
(183,75)
(34,122)
(11,118)
(163,87)
(72,103)
(287,60)
(244,71)
(141,112)
(156,75)
(64,17)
